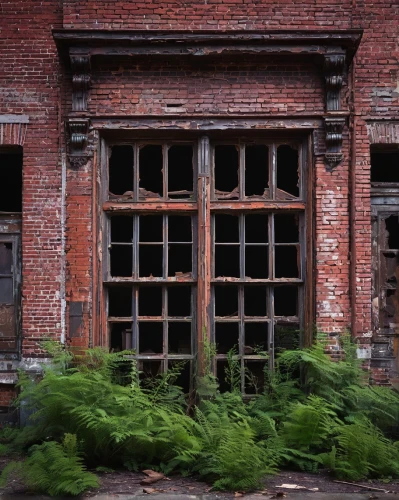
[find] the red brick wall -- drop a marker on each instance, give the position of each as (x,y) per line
(29,84)
(30,77)
(207,14)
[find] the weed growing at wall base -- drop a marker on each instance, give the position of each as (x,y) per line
(91,411)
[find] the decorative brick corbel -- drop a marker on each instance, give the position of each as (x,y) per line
(78,132)
(334,127)
(80,81)
(334,66)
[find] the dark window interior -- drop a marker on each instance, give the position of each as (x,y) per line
(11,180)
(384,166)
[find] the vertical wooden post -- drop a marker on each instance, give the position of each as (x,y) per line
(204,250)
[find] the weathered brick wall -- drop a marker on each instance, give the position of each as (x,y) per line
(29,84)
(30,76)
(207,14)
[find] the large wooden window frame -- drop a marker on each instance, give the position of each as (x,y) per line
(204,205)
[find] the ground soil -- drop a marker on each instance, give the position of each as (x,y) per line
(129,483)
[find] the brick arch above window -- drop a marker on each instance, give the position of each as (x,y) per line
(13,129)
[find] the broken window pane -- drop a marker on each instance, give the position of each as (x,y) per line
(226,300)
(255,298)
(151,228)
(286,301)
(286,228)
(287,173)
(183,378)
(254,376)
(392,228)
(256,229)
(384,166)
(120,301)
(151,172)
(150,338)
(179,259)
(121,260)
(256,262)
(286,336)
(11,180)
(226,172)
(122,229)
(226,228)
(150,260)
(179,228)
(180,172)
(257,171)
(256,338)
(179,301)
(286,261)
(121,170)
(150,301)
(150,369)
(179,337)
(120,336)
(227,261)
(226,337)
(5,258)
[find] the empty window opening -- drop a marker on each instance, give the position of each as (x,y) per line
(254,372)
(121,170)
(11,180)
(384,166)
(120,301)
(149,370)
(286,261)
(121,260)
(179,337)
(183,374)
(286,301)
(287,172)
(179,229)
(150,301)
(150,260)
(120,336)
(255,301)
(121,229)
(151,228)
(179,259)
(286,336)
(226,228)
(5,258)
(256,229)
(227,261)
(180,172)
(226,300)
(223,376)
(150,338)
(256,338)
(151,171)
(226,172)
(257,171)
(226,337)
(256,262)
(179,301)
(392,228)
(286,228)
(390,260)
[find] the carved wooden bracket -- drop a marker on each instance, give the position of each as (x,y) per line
(78,130)
(334,66)
(80,64)
(334,156)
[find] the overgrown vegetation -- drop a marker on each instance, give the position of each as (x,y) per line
(91,411)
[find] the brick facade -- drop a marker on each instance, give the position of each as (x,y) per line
(60,219)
